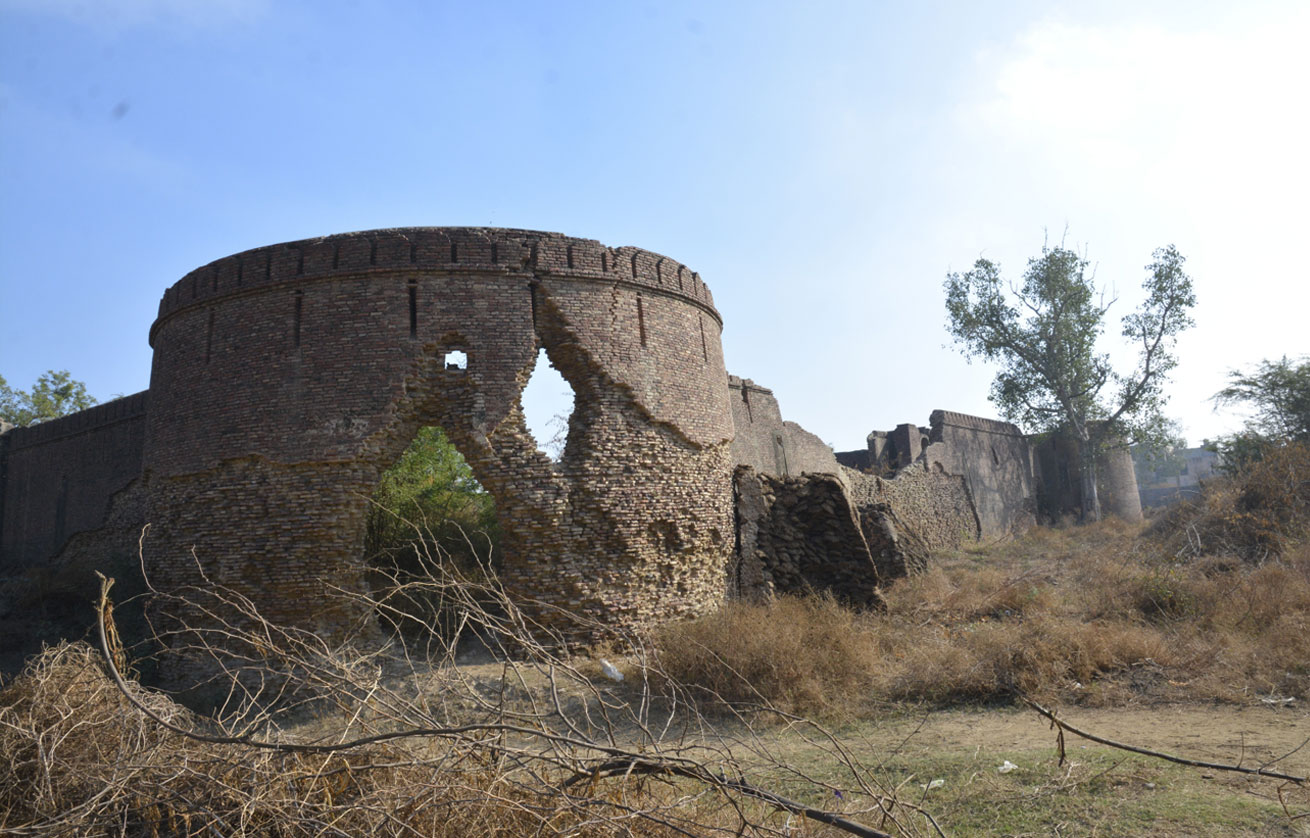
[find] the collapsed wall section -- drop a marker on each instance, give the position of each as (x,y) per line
(801,534)
(287,378)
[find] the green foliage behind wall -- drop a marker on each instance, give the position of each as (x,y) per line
(430,503)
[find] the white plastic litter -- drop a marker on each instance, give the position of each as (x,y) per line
(1006,767)
(935,784)
(611,671)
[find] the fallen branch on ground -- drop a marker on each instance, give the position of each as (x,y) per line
(1062,726)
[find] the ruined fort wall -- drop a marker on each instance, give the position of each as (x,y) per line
(58,478)
(768,444)
(908,516)
(995,460)
(1059,480)
(801,534)
(287,378)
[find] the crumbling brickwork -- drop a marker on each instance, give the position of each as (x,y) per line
(801,534)
(286,378)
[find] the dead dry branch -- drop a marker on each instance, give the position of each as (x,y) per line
(386,735)
(1060,726)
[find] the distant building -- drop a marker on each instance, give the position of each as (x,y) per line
(1179,478)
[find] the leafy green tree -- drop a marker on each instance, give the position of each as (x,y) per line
(430,502)
(53,395)
(1278,393)
(1043,335)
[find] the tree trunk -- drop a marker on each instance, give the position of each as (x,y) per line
(1091,502)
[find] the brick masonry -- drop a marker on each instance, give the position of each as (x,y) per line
(287,378)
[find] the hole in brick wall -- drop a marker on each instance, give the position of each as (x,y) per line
(547,405)
(428,510)
(456,359)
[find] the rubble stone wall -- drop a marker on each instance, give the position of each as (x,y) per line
(908,516)
(800,534)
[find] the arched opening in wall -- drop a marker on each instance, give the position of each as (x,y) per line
(429,523)
(547,405)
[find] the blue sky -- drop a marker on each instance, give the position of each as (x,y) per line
(822,165)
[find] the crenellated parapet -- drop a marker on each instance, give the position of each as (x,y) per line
(940,418)
(448,250)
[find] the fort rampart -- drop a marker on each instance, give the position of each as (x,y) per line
(287,378)
(58,478)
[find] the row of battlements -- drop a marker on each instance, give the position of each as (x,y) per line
(445,249)
(99,416)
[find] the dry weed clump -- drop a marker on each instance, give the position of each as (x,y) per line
(1254,515)
(402,741)
(797,654)
(1040,657)
(82,760)
(1095,615)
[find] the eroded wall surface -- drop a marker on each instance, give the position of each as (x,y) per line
(909,516)
(995,459)
(287,378)
(800,534)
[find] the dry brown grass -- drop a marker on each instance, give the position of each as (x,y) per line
(83,761)
(1094,615)
(801,655)
(316,740)
(1258,514)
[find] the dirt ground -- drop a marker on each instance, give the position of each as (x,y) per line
(1213,733)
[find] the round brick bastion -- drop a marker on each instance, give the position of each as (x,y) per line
(287,378)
